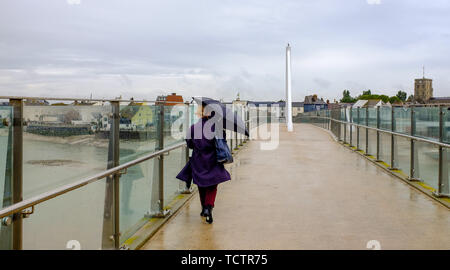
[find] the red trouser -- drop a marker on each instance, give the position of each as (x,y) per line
(207,195)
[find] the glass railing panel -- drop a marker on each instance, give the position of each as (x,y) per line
(385,148)
(354,136)
(173,163)
(174,128)
(342,114)
(138,196)
(5,172)
(228,137)
(76,217)
(238,112)
(427,167)
(446,170)
(62,144)
(403,154)
(354,115)
(372,117)
(402,118)
(362,116)
(385,118)
(5,155)
(138,133)
(372,142)
(347,132)
(362,138)
(427,122)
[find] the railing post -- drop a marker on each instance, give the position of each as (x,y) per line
(17,146)
(157,202)
(393,167)
(116,138)
(236,142)
(247,123)
(338,125)
(351,126)
(443,187)
(378,133)
(329,120)
(357,129)
(241,137)
(257,116)
(236,146)
(345,125)
(323,119)
(367,131)
(111,214)
(161,212)
(231,142)
(413,157)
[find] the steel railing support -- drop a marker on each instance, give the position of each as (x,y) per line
(161,213)
(338,126)
(358,129)
(116,139)
(443,181)
(393,152)
(17,172)
(345,125)
(243,119)
(351,127)
(247,123)
(367,132)
(111,214)
(235,133)
(378,134)
(413,150)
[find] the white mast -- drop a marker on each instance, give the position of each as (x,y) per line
(288,107)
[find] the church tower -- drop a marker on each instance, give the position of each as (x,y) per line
(423,89)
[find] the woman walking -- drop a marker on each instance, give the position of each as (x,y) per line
(203,167)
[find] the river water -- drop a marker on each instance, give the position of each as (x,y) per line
(78,215)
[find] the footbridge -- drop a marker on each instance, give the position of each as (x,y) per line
(100,174)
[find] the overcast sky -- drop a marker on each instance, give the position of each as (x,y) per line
(217,48)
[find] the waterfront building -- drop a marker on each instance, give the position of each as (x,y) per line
(312,103)
(138,115)
(169,100)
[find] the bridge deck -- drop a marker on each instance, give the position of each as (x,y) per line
(309,193)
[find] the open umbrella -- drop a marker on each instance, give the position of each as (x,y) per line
(231,120)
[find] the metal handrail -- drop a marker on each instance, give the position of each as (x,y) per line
(88,99)
(388,132)
(12,209)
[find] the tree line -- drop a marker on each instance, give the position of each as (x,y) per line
(366,95)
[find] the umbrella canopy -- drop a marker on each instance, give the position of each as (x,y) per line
(231,120)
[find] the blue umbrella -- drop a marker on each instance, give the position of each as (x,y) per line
(231,121)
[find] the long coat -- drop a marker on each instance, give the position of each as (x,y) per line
(203,167)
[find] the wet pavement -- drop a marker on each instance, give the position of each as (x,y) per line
(308,193)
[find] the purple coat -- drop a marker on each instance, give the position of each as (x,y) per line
(203,167)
